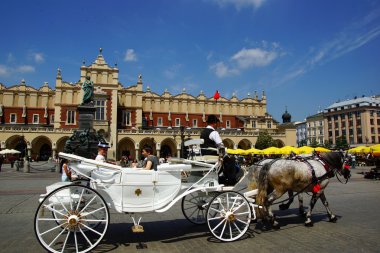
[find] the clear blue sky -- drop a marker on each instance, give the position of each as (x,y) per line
(305,55)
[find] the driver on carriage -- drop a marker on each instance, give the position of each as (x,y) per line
(213,145)
(102,152)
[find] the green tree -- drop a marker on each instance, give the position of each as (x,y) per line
(313,143)
(328,144)
(264,140)
(341,143)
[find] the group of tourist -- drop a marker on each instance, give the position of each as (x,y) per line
(213,145)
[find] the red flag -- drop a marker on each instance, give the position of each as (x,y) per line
(216,95)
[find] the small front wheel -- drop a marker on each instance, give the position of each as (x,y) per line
(229,216)
(72,218)
(194,206)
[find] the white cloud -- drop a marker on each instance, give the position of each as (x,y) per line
(254,57)
(222,70)
(38,57)
(239,4)
(25,69)
(247,58)
(130,55)
(4,71)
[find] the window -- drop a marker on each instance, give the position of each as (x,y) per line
(70,117)
(195,123)
(100,109)
(254,123)
(159,121)
(52,119)
(177,122)
(228,124)
(36,118)
(269,124)
(126,118)
(13,118)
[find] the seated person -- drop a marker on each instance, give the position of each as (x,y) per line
(102,152)
(150,161)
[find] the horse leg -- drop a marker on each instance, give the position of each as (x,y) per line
(332,217)
(308,222)
(275,194)
(301,208)
(285,206)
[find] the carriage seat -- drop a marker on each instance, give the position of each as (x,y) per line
(106,176)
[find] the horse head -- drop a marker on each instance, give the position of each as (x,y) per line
(338,162)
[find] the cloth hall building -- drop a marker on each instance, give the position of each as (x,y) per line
(39,121)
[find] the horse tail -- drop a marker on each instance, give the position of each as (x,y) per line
(263,185)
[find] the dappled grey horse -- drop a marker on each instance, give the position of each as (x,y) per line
(276,177)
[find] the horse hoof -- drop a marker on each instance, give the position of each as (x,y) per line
(309,224)
(283,207)
(276,226)
(334,219)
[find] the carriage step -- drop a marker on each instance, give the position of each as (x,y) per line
(137,229)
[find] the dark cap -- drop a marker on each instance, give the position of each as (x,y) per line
(103,145)
(212,119)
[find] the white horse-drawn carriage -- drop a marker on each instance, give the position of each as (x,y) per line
(74,217)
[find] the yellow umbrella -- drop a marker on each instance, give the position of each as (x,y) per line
(305,150)
(231,151)
(254,151)
(286,150)
(360,149)
(272,151)
(322,149)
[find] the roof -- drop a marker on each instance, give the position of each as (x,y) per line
(362,101)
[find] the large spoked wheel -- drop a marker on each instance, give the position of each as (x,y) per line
(229,216)
(194,206)
(72,218)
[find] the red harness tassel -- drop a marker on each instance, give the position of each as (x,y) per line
(316,188)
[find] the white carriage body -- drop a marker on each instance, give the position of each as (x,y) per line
(137,190)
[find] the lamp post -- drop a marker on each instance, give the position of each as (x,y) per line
(182,134)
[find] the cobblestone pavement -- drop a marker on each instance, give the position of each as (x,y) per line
(356,205)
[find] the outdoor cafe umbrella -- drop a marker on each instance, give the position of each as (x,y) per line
(254,151)
(9,151)
(286,150)
(305,150)
(360,149)
(322,149)
(272,151)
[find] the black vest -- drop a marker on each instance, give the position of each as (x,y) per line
(208,143)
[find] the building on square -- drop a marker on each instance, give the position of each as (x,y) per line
(355,120)
(39,121)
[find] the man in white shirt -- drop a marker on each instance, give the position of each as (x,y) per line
(102,152)
(211,137)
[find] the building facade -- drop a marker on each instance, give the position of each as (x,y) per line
(38,122)
(315,129)
(301,133)
(357,121)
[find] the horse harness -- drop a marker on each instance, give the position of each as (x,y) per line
(315,181)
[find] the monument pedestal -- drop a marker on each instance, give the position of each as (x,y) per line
(84,141)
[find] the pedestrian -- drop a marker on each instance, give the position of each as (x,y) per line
(1,161)
(65,170)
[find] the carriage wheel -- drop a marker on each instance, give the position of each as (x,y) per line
(228,216)
(194,206)
(72,218)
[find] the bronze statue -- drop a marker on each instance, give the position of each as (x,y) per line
(88,88)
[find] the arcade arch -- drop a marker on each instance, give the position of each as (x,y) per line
(125,147)
(41,149)
(244,144)
(228,143)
